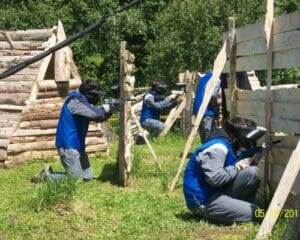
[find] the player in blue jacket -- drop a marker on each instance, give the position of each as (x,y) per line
(218,187)
(154,101)
(76,113)
(211,114)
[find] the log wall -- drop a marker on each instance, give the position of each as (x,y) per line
(30,103)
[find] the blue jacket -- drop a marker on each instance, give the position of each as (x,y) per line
(196,189)
(72,129)
(210,110)
(149,112)
(151,106)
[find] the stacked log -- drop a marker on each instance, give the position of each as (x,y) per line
(30,102)
(15,90)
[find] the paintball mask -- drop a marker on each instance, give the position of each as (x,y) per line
(92,91)
(245,132)
(159,87)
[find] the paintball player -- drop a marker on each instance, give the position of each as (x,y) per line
(217,186)
(210,117)
(76,113)
(154,101)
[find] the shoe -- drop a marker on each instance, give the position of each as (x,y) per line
(42,175)
(140,140)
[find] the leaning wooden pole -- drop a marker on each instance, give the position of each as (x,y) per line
(284,187)
(268,103)
(218,67)
(142,131)
(232,66)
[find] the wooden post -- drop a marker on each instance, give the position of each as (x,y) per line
(232,66)
(218,67)
(60,56)
(123,174)
(186,122)
(268,103)
(126,137)
(287,180)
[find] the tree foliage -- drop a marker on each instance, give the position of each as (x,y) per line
(166,37)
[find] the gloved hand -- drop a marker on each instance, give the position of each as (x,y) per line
(240,165)
(255,158)
(174,103)
(106,107)
(108,110)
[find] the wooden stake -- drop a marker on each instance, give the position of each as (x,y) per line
(268,103)
(218,67)
(172,117)
(284,187)
(142,131)
(122,161)
(60,55)
(232,66)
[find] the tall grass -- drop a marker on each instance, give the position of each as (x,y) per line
(55,192)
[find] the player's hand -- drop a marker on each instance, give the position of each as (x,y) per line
(240,165)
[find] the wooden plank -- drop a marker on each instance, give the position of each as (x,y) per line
(286,22)
(10,108)
(280,110)
(10,116)
(19,78)
(13,52)
(282,41)
(278,125)
(288,178)
(5,133)
(277,172)
(232,66)
(281,93)
(218,67)
(3,155)
(172,117)
(15,87)
(25,71)
(281,155)
(249,32)
(283,23)
(43,69)
(283,59)
(60,55)
(26,35)
(23,45)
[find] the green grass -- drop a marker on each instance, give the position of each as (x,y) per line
(100,209)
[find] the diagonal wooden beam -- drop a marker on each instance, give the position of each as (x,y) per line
(142,131)
(218,67)
(174,114)
(284,187)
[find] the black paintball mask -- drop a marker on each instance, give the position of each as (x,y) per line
(92,91)
(159,87)
(244,132)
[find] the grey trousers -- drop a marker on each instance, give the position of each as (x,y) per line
(75,163)
(234,202)
(153,126)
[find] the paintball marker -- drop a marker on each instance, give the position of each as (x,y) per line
(259,151)
(113,102)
